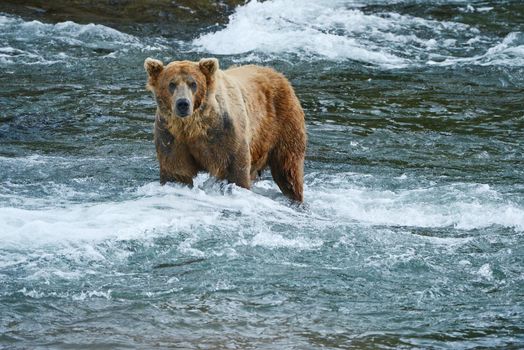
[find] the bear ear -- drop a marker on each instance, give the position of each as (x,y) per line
(153,67)
(208,66)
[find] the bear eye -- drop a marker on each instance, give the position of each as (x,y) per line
(193,85)
(172,87)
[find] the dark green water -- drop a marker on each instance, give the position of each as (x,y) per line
(413,236)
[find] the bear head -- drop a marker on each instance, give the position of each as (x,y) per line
(181,87)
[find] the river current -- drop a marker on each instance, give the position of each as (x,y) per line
(412,235)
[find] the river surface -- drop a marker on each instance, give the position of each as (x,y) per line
(412,235)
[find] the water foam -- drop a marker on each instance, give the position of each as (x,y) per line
(151,209)
(306,28)
(159,210)
(340,30)
(461,206)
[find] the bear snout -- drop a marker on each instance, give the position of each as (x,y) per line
(183,107)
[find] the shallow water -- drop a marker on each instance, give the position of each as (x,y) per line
(413,231)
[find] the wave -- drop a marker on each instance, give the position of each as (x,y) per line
(34,42)
(460,206)
(341,30)
(306,28)
(332,30)
(332,202)
(509,52)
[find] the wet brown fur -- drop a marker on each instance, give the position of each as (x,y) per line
(244,119)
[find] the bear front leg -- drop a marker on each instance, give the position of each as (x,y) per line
(239,169)
(166,176)
(177,167)
(176,163)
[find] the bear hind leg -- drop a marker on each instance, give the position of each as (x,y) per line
(287,170)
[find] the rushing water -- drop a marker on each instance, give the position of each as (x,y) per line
(413,232)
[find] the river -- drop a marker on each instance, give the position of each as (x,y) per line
(412,235)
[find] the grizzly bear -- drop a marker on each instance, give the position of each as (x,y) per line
(231,123)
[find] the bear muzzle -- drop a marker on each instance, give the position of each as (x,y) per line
(183,107)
